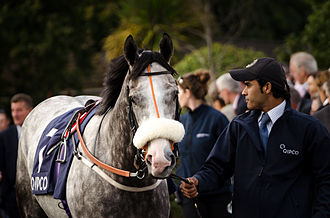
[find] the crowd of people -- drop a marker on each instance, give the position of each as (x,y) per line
(261,142)
(277,150)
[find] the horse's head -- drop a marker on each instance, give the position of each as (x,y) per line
(153,107)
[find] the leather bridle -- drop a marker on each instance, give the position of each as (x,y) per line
(140,161)
(140,157)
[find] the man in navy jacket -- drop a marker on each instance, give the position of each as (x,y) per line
(286,175)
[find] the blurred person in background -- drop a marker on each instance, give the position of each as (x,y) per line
(214,100)
(315,82)
(219,104)
(4,120)
(288,75)
(312,90)
(4,123)
(203,124)
(302,64)
(241,104)
(324,113)
(21,105)
(320,79)
(294,98)
(230,91)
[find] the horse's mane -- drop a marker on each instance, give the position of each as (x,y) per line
(118,69)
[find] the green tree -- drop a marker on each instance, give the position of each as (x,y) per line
(225,56)
(315,38)
(258,19)
(147,20)
(47,46)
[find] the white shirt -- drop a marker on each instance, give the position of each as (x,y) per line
(19,128)
(235,103)
(301,88)
(273,114)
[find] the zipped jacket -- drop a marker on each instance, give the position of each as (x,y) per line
(203,126)
(290,180)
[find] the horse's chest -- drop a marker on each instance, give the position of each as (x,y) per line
(103,200)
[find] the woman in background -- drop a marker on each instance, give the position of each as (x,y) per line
(203,124)
(315,83)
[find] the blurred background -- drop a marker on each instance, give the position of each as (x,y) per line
(64,47)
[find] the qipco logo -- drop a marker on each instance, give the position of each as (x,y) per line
(288,151)
(39,183)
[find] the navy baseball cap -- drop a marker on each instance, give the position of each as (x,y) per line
(268,69)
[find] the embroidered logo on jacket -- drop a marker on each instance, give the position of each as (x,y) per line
(288,151)
(202,135)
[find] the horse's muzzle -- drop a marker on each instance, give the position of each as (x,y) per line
(160,158)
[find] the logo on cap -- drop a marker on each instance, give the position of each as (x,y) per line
(253,63)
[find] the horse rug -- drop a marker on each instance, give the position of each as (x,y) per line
(54,155)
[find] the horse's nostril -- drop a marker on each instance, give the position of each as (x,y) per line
(149,158)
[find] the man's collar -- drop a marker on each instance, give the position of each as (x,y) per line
(276,112)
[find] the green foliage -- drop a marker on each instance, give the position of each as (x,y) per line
(315,38)
(147,20)
(176,211)
(226,57)
(259,19)
(47,46)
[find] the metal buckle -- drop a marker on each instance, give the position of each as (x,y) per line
(75,149)
(62,146)
(140,174)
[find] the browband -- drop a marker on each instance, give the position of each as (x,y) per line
(155,73)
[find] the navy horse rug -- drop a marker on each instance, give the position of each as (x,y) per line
(55,151)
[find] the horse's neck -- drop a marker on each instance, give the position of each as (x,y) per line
(114,145)
(116,137)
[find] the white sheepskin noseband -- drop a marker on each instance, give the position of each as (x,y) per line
(158,128)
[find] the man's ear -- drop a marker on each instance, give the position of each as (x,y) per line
(267,88)
(304,71)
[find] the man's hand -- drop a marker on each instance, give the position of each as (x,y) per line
(190,190)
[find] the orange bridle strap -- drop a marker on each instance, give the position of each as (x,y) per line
(145,148)
(155,103)
(152,91)
(94,159)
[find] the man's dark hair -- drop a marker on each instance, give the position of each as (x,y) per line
(277,92)
(22,97)
(295,96)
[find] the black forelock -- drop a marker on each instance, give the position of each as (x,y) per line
(114,79)
(146,58)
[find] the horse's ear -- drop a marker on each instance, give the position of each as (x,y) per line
(166,47)
(130,50)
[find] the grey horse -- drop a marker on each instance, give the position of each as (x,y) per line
(140,84)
